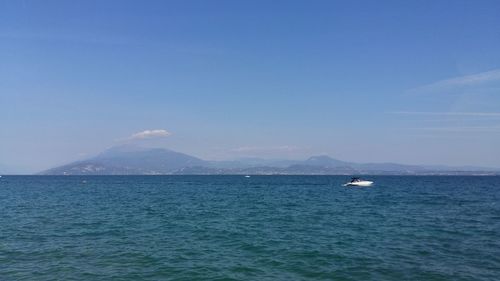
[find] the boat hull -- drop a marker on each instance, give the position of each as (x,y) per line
(360,183)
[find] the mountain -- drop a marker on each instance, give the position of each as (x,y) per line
(128,160)
(133,160)
(324,161)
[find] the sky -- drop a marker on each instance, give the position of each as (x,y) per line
(413,82)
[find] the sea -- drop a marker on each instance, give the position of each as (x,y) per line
(256,228)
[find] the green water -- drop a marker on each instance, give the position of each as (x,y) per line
(258,228)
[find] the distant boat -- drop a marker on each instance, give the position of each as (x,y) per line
(247,176)
(358,182)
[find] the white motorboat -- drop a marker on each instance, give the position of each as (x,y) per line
(358,182)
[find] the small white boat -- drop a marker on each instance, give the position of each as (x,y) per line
(358,182)
(247,176)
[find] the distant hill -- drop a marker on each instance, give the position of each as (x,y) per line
(129,160)
(133,160)
(324,161)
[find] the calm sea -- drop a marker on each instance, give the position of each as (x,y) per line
(257,228)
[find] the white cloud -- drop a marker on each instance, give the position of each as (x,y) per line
(266,148)
(461,81)
(471,129)
(430,113)
(149,134)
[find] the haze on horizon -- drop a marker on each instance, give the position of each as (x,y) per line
(371,81)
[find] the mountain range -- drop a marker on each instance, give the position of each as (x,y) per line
(133,160)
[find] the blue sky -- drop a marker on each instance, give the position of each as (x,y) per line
(370,81)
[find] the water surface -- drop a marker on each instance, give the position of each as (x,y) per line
(258,228)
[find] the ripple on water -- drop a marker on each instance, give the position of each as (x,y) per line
(232,228)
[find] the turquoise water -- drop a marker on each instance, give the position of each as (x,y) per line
(258,228)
